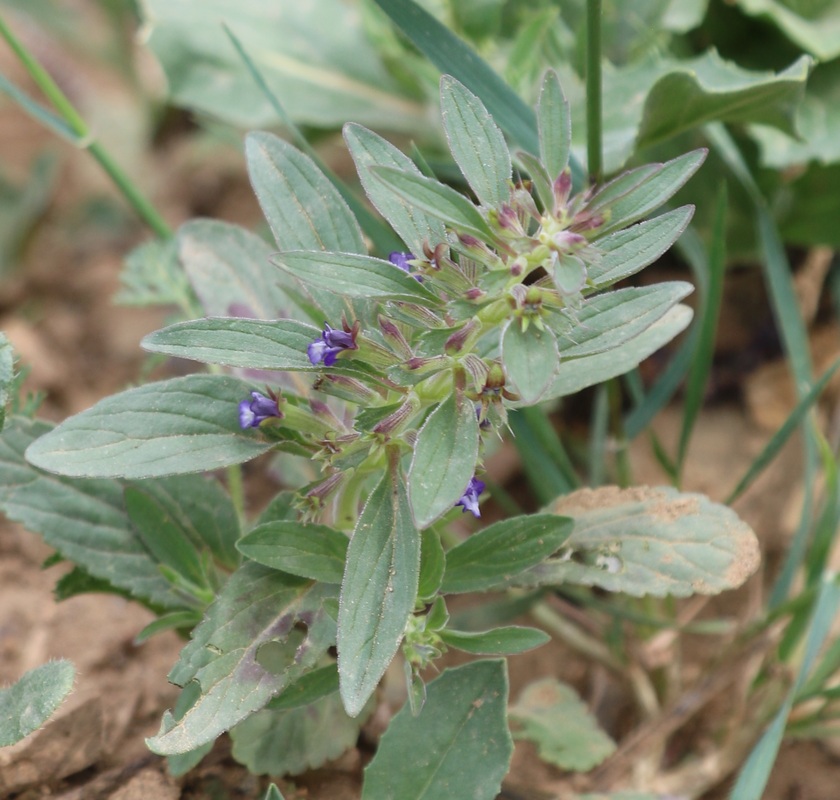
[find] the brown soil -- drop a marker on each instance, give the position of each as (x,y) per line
(55,306)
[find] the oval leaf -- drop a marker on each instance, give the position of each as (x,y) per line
(252,343)
(457,746)
(371,150)
(649,541)
(492,557)
(181,425)
(378,590)
(499,641)
(444,459)
(437,200)
(27,704)
(530,359)
(476,143)
(299,548)
(554,121)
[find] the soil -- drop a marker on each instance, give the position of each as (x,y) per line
(56,306)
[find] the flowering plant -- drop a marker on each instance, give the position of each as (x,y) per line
(393,375)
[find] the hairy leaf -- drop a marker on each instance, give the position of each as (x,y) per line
(457,746)
(27,704)
(495,555)
(530,359)
(281,631)
(499,641)
(299,548)
(649,541)
(378,591)
(476,143)
(444,459)
(176,426)
(552,716)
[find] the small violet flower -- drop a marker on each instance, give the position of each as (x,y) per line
(331,342)
(252,412)
(401,260)
(469,499)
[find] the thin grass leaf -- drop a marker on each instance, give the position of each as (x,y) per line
(599,427)
(701,362)
(753,778)
(39,113)
(781,436)
(452,56)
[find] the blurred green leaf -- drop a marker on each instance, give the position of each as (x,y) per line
(457,746)
(311,686)
(813,24)
(432,564)
(84,520)
(288,742)
(552,716)
(27,704)
(151,275)
(555,125)
(324,75)
(648,541)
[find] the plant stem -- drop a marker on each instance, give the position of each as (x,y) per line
(593,90)
(85,140)
(237,492)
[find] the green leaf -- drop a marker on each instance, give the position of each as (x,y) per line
(436,200)
(555,125)
(649,541)
(553,717)
(273,793)
(175,620)
(303,208)
(609,320)
(370,150)
(476,143)
(354,276)
(457,746)
(299,548)
(815,27)
(187,424)
(275,742)
(455,57)
(258,344)
(163,537)
(530,359)
(626,252)
(499,641)
(493,557)
(231,273)
(656,188)
(324,74)
(281,631)
(308,688)
(708,88)
(7,375)
(27,704)
(378,591)
(444,459)
(576,374)
(432,564)
(41,114)
(151,276)
(84,520)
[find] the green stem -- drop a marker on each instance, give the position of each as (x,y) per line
(237,492)
(71,116)
(593,90)
(622,460)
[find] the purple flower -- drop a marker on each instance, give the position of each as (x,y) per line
(252,412)
(331,342)
(469,499)
(401,260)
